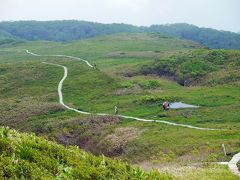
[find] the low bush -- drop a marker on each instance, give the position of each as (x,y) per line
(127,84)
(149,99)
(150,84)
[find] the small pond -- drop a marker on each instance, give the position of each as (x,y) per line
(180,105)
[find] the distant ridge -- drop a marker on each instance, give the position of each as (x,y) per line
(212,38)
(69,30)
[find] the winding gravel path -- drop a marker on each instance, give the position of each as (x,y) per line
(71,57)
(61,101)
(60,89)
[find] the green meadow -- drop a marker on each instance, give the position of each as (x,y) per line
(125,75)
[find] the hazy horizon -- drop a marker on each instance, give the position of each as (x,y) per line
(221,15)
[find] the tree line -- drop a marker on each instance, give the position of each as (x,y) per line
(69,30)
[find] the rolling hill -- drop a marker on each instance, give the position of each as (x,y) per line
(211,38)
(7,39)
(67,30)
(74,30)
(29,100)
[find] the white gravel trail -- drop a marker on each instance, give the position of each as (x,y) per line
(233,164)
(71,57)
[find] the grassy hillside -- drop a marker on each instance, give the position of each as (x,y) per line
(26,156)
(205,67)
(74,30)
(29,101)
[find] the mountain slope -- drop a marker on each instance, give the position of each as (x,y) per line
(8,39)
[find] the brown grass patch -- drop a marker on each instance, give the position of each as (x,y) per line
(116,142)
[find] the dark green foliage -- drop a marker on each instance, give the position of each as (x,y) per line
(194,68)
(73,30)
(24,151)
(62,30)
(7,39)
(24,156)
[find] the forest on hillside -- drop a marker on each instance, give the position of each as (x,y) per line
(69,30)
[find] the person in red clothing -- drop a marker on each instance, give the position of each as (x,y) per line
(166,106)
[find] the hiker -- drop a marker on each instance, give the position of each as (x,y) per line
(166,106)
(116,109)
(94,66)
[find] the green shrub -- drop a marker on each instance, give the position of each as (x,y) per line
(194,68)
(127,84)
(24,151)
(148,99)
(151,84)
(4,132)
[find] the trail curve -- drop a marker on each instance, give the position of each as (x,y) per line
(60,89)
(71,57)
(232,164)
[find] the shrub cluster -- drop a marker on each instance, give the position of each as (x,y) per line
(149,99)
(196,67)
